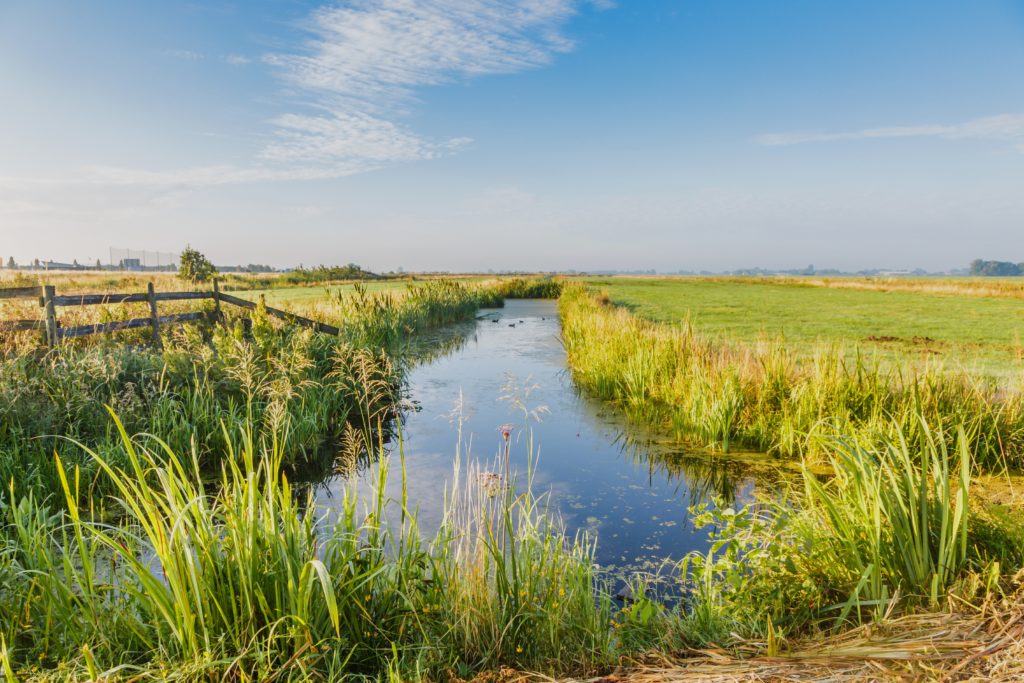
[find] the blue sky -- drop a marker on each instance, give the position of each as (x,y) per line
(548,134)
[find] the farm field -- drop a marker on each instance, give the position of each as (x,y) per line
(966,324)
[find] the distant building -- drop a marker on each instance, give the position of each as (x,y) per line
(131,264)
(55,265)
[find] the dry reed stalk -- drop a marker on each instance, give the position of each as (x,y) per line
(971,643)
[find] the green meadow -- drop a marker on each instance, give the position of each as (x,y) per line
(942,322)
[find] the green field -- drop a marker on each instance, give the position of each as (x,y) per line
(981,333)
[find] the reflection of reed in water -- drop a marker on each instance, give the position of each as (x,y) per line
(425,348)
(706,478)
(375,432)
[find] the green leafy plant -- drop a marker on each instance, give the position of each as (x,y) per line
(194,266)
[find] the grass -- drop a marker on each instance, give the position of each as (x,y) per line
(951,322)
(893,528)
(208,378)
(314,294)
(768,397)
(246,580)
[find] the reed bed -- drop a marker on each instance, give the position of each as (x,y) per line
(209,379)
(243,578)
(527,288)
(763,396)
(246,580)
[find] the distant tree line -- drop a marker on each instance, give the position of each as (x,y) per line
(323,273)
(996,268)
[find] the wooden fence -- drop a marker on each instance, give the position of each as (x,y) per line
(50,301)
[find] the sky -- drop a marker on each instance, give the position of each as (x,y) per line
(515,134)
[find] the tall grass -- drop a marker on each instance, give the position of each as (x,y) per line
(246,580)
(260,374)
(891,528)
(385,319)
(898,518)
(761,396)
(529,288)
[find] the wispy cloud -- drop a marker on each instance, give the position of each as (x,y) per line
(354,81)
(366,61)
(349,137)
(1002,126)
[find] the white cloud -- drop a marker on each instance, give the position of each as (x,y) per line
(356,77)
(354,136)
(367,59)
(1002,126)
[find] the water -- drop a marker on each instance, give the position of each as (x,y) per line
(509,367)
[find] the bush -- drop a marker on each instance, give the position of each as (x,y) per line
(195,267)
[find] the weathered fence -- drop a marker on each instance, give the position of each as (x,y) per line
(50,301)
(21,293)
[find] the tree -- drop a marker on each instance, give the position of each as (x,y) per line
(99,266)
(11,264)
(995,268)
(195,267)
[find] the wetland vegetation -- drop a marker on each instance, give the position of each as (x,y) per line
(155,523)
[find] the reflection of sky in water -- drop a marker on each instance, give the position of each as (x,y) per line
(633,494)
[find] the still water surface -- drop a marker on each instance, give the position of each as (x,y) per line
(632,490)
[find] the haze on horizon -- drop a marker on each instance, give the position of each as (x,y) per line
(518,134)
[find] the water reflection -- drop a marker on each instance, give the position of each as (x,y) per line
(604,475)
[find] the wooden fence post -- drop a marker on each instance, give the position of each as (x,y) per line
(216,299)
(52,338)
(150,290)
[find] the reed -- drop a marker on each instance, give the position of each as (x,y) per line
(893,528)
(529,288)
(247,580)
(260,374)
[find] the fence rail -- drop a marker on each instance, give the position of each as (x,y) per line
(100,299)
(21,292)
(135,323)
(49,302)
(283,315)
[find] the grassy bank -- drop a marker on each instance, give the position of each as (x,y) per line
(247,581)
(767,396)
(886,520)
(209,379)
